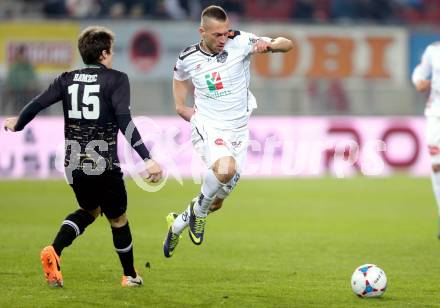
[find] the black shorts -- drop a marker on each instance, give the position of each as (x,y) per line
(106,190)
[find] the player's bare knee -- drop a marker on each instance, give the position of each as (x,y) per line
(118,222)
(436,168)
(225,169)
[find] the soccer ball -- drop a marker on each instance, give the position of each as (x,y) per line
(369,280)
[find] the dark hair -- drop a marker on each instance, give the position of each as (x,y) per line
(216,12)
(92,41)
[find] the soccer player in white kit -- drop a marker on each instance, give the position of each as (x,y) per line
(218,67)
(426,77)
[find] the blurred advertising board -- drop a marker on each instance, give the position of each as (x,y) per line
(51,47)
(148,50)
(279,147)
(331,52)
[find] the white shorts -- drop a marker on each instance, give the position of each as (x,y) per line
(433,138)
(213,143)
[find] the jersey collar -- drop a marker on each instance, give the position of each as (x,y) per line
(95,65)
(199,47)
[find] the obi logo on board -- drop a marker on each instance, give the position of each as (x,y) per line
(144,50)
(336,53)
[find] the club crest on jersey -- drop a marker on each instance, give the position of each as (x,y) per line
(214,81)
(221,57)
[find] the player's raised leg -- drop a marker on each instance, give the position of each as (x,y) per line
(73,226)
(172,239)
(221,173)
(223,193)
(177,223)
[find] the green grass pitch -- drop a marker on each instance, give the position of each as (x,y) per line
(276,243)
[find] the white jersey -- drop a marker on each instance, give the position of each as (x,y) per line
(429,68)
(221,81)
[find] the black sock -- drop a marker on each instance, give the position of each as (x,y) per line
(72,226)
(124,248)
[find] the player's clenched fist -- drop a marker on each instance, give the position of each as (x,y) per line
(154,171)
(10,123)
(262,46)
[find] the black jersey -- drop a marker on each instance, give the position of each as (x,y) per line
(96,104)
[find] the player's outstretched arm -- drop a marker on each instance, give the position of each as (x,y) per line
(48,97)
(180,91)
(131,134)
(279,44)
(28,112)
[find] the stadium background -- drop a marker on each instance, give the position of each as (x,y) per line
(290,242)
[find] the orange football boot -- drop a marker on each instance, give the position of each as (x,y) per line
(51,267)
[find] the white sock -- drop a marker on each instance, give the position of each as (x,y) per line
(211,185)
(435,177)
(181,222)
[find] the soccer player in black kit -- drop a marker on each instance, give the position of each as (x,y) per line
(96,102)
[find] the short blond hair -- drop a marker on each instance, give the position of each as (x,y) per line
(215,12)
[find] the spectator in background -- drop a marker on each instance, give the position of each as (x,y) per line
(365,10)
(304,10)
(204,3)
(409,11)
(193,8)
(177,9)
(54,8)
(268,10)
(134,9)
(343,10)
(21,80)
(382,11)
(234,8)
(376,10)
(83,8)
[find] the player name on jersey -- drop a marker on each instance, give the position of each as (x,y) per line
(85,77)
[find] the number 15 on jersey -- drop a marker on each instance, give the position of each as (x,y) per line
(90,102)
